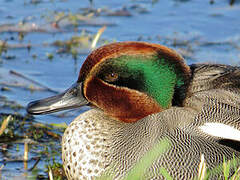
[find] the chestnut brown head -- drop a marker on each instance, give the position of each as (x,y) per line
(127,80)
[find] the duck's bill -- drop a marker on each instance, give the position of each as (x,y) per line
(71,98)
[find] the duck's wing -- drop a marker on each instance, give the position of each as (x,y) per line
(213,120)
(214,97)
(182,157)
(219,116)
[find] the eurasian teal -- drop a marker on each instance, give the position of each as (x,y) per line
(141,93)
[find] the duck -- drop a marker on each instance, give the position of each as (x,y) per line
(140,94)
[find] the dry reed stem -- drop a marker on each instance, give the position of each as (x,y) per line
(96,38)
(25,157)
(50,174)
(202,168)
(5,124)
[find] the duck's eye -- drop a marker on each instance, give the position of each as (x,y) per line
(111,77)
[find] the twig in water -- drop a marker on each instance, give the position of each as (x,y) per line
(35,164)
(32,81)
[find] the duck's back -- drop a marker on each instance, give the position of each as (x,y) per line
(214,93)
(215,76)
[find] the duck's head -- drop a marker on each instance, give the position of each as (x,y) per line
(127,80)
